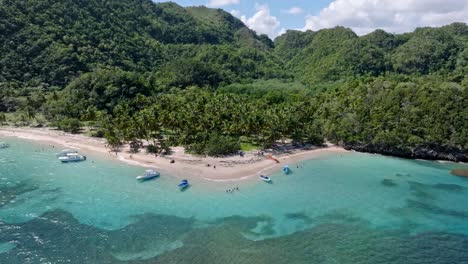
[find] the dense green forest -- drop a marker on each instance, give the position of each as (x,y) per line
(133,70)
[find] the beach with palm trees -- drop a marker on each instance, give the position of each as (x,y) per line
(178,162)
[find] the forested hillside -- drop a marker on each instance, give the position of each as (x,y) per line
(50,43)
(198,77)
(338,53)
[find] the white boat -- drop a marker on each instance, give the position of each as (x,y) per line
(64,152)
(4,145)
(264,178)
(72,157)
(149,174)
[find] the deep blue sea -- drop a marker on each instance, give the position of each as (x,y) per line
(343,208)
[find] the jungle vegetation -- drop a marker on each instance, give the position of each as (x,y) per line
(135,70)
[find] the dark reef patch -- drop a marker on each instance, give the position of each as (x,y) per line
(449,187)
(388,183)
(9,193)
(403,175)
(433,209)
(299,216)
(421,190)
(57,237)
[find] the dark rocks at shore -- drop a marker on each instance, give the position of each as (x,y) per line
(428,153)
(460,172)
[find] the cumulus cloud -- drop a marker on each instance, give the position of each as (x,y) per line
(281,32)
(397,16)
(294,10)
(236,13)
(262,21)
(219,3)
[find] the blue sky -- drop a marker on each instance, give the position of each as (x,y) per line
(278,9)
(273,17)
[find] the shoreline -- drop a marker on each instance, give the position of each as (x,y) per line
(228,169)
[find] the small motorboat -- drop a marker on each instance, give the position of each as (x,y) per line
(183,185)
(72,157)
(4,145)
(265,178)
(64,152)
(286,169)
(149,174)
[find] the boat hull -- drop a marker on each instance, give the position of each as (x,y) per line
(183,185)
(145,178)
(265,179)
(72,160)
(148,175)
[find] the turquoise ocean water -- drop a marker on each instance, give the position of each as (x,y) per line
(348,208)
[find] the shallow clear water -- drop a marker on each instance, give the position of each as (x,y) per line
(348,208)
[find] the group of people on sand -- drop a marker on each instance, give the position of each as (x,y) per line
(209,165)
(232,190)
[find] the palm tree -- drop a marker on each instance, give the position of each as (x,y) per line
(30,113)
(2,118)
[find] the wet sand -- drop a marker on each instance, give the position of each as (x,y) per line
(460,173)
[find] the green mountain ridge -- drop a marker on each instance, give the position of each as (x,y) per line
(198,77)
(51,43)
(332,54)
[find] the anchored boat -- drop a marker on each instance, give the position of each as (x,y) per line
(286,169)
(265,178)
(4,145)
(72,157)
(183,185)
(149,174)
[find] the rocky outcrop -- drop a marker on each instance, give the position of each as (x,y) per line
(420,152)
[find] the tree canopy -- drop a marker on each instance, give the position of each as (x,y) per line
(138,70)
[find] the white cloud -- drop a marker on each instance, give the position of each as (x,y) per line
(262,21)
(294,10)
(219,3)
(364,16)
(281,32)
(236,13)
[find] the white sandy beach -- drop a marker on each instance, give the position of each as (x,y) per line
(233,168)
